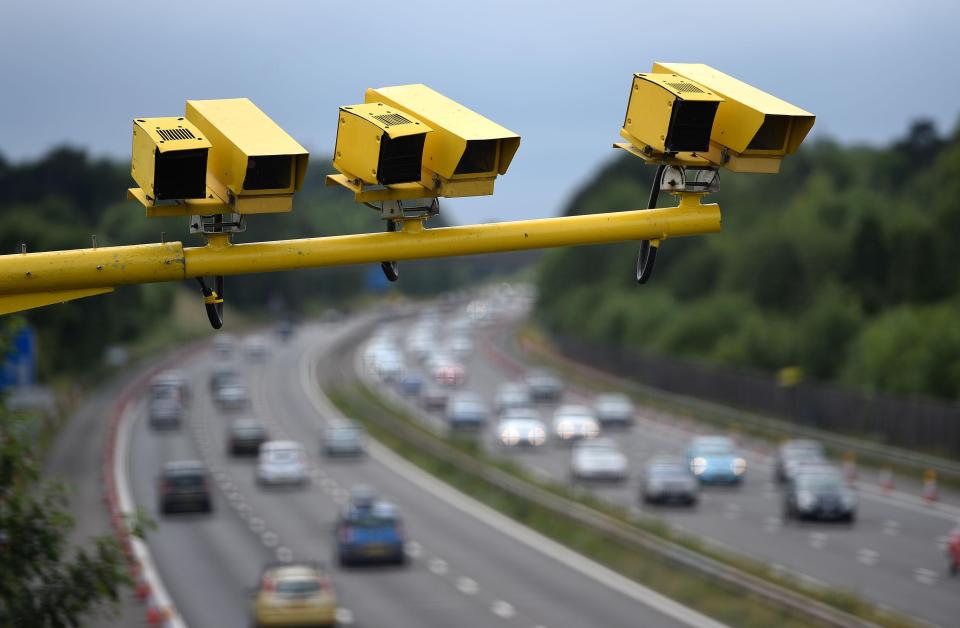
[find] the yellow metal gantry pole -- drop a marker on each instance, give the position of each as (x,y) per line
(33,279)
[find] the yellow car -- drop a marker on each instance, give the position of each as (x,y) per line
(295,594)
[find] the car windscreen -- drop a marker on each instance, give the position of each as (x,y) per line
(819,483)
(283,455)
(298,586)
(668,471)
(183,480)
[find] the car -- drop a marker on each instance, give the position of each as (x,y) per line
(819,495)
(434,397)
(614,409)
(460,345)
(411,384)
(574,422)
(544,385)
(716,460)
(668,479)
(343,439)
(521,427)
(370,531)
(510,396)
(284,330)
(224,346)
(244,437)
(448,373)
(294,594)
(599,459)
(223,376)
(256,348)
(796,453)
(232,396)
(281,462)
(170,383)
(184,485)
(467,411)
(389,365)
(165,413)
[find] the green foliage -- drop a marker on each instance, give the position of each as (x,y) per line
(844,263)
(43,582)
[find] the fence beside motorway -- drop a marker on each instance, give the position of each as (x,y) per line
(920,424)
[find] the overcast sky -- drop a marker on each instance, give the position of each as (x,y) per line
(556,72)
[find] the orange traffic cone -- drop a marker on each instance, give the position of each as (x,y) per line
(886,481)
(850,467)
(930,492)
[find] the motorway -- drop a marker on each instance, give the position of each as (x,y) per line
(894,554)
(469,567)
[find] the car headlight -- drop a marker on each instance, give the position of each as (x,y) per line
(806,500)
(591,430)
(510,436)
(698,465)
(738,466)
(536,436)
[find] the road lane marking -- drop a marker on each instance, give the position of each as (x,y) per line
(817,540)
(467,585)
(438,566)
(270,539)
(284,554)
(891,527)
(413,549)
(257,524)
(925,576)
(503,609)
(344,616)
(868,557)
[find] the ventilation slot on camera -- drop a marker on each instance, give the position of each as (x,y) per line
(391,119)
(686,88)
(179,133)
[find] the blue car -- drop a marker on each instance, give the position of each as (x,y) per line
(370,532)
(411,384)
(716,460)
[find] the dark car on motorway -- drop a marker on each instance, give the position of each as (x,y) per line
(544,385)
(244,437)
(821,496)
(165,413)
(369,530)
(343,439)
(184,485)
(433,397)
(223,376)
(467,411)
(668,479)
(411,384)
(794,454)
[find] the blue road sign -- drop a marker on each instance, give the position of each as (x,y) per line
(19,366)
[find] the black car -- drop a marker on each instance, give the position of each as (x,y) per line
(244,437)
(822,496)
(184,485)
(793,455)
(165,413)
(544,385)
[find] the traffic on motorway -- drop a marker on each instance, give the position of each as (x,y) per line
(789,505)
(272,509)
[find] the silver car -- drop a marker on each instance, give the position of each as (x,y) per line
(614,409)
(598,459)
(521,427)
(573,422)
(668,479)
(282,462)
(544,385)
(343,439)
(467,411)
(510,396)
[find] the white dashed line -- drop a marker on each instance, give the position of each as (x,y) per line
(438,566)
(328,484)
(257,524)
(284,554)
(942,542)
(344,616)
(270,539)
(891,527)
(925,576)
(503,609)
(467,585)
(867,557)
(817,540)
(413,549)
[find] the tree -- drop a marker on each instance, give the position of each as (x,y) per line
(43,582)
